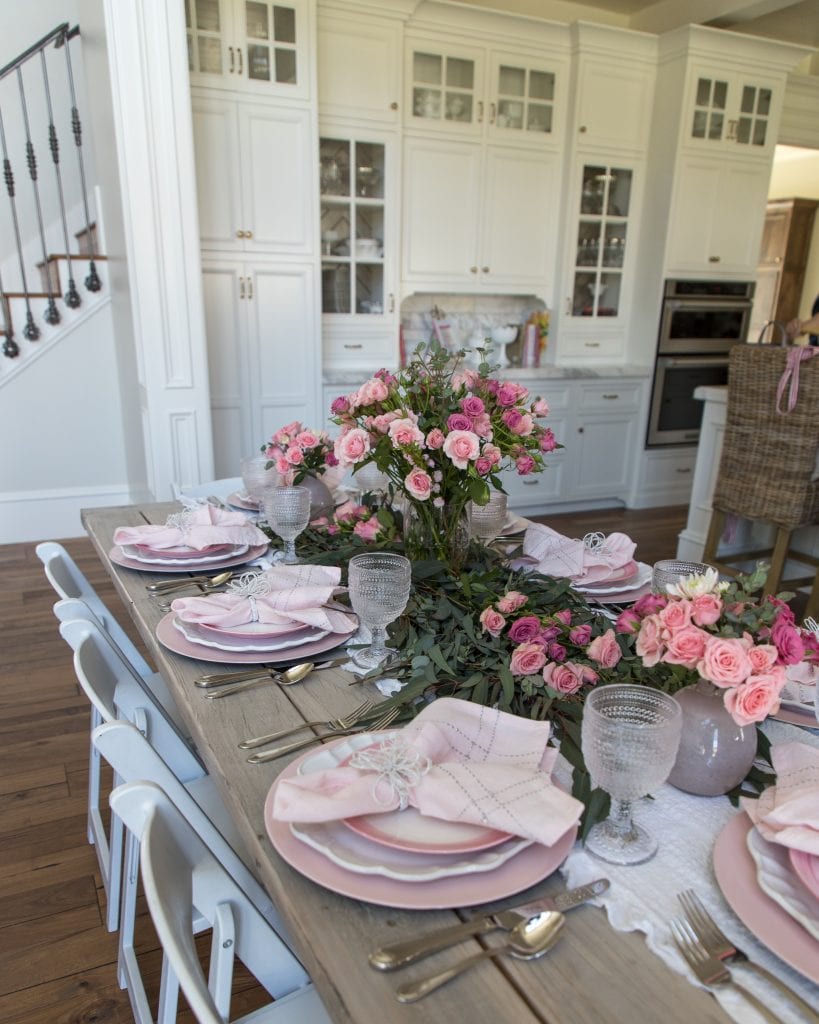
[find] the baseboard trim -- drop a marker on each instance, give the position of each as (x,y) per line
(53,514)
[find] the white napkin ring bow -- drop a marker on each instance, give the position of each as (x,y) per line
(395,764)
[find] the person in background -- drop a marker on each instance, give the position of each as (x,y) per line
(810,326)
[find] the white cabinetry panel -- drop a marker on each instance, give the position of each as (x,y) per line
(218,175)
(359,68)
(614,105)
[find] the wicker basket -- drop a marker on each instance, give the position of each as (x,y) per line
(768,459)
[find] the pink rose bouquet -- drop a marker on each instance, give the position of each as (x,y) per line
(297,452)
(357,523)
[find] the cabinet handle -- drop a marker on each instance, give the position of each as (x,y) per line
(568,306)
(240,234)
(393,105)
(230,51)
(473,270)
(592,344)
(241,61)
(354,346)
(582,129)
(731,134)
(492,113)
(248,234)
(480,111)
(680,470)
(241,287)
(250,287)
(392,303)
(611,396)
(714,259)
(484,270)
(530,482)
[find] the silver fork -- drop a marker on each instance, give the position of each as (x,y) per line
(811,624)
(334,723)
(710,971)
(270,755)
(718,944)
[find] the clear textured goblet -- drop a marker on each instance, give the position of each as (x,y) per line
(672,570)
(287,510)
(487,520)
(379,590)
(371,480)
(630,736)
(256,478)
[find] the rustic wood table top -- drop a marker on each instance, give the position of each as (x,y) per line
(594,974)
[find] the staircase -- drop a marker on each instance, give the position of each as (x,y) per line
(52,275)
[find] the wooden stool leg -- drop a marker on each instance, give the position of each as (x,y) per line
(778,556)
(715,528)
(812,607)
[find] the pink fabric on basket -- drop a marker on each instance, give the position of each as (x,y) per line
(487,768)
(298,594)
(564,558)
(205,525)
(788,813)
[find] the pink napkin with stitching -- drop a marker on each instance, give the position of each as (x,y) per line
(457,761)
(284,595)
(788,812)
(196,528)
(583,561)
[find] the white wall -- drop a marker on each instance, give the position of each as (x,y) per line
(796,175)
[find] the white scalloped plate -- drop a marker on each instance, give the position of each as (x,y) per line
(777,879)
(262,645)
(131,551)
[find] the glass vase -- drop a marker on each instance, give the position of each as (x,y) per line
(321,497)
(715,753)
(437,533)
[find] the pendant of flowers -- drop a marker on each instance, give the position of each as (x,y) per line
(297,452)
(442,435)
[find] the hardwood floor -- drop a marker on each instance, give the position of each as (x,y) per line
(57,960)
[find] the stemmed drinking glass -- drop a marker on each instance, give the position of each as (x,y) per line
(488,519)
(256,478)
(630,737)
(371,480)
(379,590)
(672,570)
(287,510)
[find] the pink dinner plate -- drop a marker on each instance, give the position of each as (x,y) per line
(264,630)
(735,870)
(212,550)
(525,869)
(622,575)
(118,558)
(806,719)
(242,501)
(169,636)
(806,867)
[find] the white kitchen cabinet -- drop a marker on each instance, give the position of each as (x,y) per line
(716,217)
(252,162)
(359,68)
(665,476)
(263,370)
(613,106)
(257,47)
(727,111)
(461,90)
(479,218)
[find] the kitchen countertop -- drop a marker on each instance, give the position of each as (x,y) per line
(352,378)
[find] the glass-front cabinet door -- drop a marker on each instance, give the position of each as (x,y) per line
(445,88)
(733,111)
(353,226)
(523,100)
(601,241)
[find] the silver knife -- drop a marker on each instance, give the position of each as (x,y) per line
(388,958)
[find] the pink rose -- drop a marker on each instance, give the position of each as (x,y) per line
(482,426)
(483,466)
(493,453)
(557,652)
(435,439)
(550,633)
(564,616)
(404,433)
(605,650)
(627,621)
(418,484)
(757,698)
(492,621)
(649,604)
(462,447)
(282,465)
(541,407)
(788,641)
(339,405)
(580,635)
(367,530)
(352,446)
(512,417)
(382,423)
(511,601)
(472,406)
(372,390)
(675,615)
(524,464)
(307,439)
(706,609)
(507,394)
(686,646)
(294,455)
(649,643)
(563,678)
(458,421)
(548,441)
(762,658)
(725,662)
(525,629)
(526,660)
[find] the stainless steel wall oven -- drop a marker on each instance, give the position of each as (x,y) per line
(699,322)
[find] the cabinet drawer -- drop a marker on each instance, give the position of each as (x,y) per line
(666,477)
(538,489)
(613,394)
(368,351)
(591,346)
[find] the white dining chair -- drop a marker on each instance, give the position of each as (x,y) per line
(133,759)
(209,489)
(116,691)
(184,881)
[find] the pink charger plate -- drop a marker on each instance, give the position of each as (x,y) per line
(806,867)
(518,873)
(242,501)
(169,636)
(212,550)
(119,558)
(735,871)
(622,575)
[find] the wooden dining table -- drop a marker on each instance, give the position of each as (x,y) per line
(594,974)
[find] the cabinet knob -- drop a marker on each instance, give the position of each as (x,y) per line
(582,129)
(393,105)
(777,259)
(473,270)
(713,259)
(484,270)
(580,430)
(248,234)
(240,234)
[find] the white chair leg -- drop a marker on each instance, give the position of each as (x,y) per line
(168,994)
(128,973)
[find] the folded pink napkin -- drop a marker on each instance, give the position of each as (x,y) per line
(197,528)
(284,595)
(457,761)
(591,560)
(788,813)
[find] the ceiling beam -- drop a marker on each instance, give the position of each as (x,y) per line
(666,15)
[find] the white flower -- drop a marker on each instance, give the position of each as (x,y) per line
(696,585)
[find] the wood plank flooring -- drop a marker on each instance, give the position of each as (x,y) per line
(57,960)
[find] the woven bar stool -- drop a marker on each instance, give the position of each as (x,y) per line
(769,461)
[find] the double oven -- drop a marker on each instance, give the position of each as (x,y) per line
(699,323)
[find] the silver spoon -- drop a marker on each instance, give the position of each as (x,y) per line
(527,941)
(292,675)
(206,582)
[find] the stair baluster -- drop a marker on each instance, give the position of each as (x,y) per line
(10,346)
(31,332)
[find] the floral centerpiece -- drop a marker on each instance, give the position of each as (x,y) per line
(441,434)
(357,522)
(297,452)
